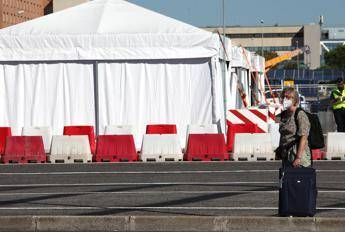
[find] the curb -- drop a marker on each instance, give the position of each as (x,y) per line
(167,223)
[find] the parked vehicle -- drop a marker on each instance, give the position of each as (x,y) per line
(274,99)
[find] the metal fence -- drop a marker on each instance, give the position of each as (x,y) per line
(316,97)
(311,76)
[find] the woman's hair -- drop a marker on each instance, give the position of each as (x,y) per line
(292,93)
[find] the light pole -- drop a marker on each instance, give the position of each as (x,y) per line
(297,60)
(262,37)
(224,63)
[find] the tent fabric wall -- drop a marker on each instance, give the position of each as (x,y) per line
(46,95)
(239,76)
(219,93)
(240,57)
(232,99)
(140,92)
(241,65)
(258,69)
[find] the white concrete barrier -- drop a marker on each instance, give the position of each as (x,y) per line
(327,121)
(273,129)
(118,130)
(202,129)
(253,147)
(45,132)
(70,149)
(160,148)
(335,146)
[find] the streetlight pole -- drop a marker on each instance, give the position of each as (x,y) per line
(297,60)
(223,13)
(262,37)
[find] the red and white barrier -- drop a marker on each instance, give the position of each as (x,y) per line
(273,112)
(258,117)
(245,121)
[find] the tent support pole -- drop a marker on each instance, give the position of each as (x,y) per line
(96,97)
(224,68)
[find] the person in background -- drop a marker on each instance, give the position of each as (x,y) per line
(293,146)
(338,105)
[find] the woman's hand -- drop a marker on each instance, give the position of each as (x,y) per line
(296,163)
(301,148)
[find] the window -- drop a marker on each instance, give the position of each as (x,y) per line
(266,35)
(270,48)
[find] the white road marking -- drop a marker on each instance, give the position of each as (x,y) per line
(205,183)
(152,192)
(153,208)
(134,172)
(151,172)
(140,183)
(134,192)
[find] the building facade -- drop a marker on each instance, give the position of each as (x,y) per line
(17,11)
(331,37)
(63,4)
(279,39)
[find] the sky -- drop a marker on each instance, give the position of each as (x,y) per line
(203,13)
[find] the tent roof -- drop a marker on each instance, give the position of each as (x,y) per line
(105,29)
(102,17)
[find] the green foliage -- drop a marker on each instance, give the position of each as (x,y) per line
(324,67)
(335,58)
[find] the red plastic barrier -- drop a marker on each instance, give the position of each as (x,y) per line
(4,133)
(239,128)
(82,130)
(24,149)
(206,147)
(317,154)
(161,129)
(116,148)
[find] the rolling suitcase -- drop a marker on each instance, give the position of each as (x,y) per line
(297,192)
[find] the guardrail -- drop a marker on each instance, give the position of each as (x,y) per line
(308,75)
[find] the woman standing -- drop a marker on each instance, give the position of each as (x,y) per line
(294,130)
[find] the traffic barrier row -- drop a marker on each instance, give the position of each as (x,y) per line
(203,143)
(78,144)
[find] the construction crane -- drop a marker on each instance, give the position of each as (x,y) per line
(286,56)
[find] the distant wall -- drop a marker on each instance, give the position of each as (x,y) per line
(312,36)
(63,4)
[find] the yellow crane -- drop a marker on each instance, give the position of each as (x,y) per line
(286,56)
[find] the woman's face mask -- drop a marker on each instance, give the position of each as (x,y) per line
(287,103)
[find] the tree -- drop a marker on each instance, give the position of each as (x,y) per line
(335,58)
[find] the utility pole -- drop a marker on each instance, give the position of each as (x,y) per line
(262,37)
(223,20)
(297,60)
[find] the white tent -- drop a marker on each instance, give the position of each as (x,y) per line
(240,77)
(246,66)
(109,62)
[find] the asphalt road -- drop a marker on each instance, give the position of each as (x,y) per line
(213,188)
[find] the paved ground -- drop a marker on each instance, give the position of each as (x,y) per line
(216,188)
